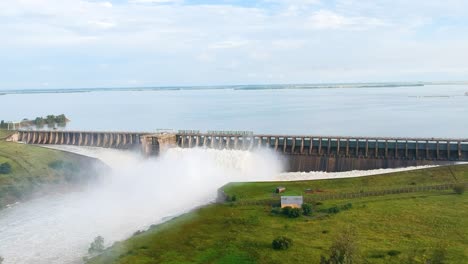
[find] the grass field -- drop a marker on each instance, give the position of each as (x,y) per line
(437,175)
(411,226)
(34,167)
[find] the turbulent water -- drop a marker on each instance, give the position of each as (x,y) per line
(137,193)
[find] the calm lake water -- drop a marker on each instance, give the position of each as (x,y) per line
(419,111)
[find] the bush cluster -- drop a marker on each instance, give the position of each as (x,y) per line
(291,212)
(335,209)
(459,188)
(5,168)
(232,198)
(281,243)
(306,209)
(344,249)
(97,246)
(393,253)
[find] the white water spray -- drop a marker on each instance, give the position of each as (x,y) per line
(137,192)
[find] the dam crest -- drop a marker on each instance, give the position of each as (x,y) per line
(302,152)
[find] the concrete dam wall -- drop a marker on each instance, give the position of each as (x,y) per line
(303,153)
(319,153)
(122,140)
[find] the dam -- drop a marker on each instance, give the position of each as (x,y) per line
(301,152)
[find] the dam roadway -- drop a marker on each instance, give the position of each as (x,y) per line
(302,153)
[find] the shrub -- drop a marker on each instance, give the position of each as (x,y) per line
(438,256)
(333,210)
(5,168)
(344,250)
(459,188)
(97,246)
(232,198)
(281,243)
(347,206)
(276,210)
(377,255)
(393,253)
(286,210)
(138,232)
(294,213)
(306,209)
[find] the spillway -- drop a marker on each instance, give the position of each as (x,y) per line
(137,192)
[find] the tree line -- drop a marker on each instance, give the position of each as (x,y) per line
(50,120)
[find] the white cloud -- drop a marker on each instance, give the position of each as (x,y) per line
(300,40)
(228,44)
(106,4)
(325,19)
(155,1)
(102,24)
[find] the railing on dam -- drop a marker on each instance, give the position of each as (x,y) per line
(363,147)
(302,153)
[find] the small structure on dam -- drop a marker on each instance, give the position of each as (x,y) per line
(157,143)
(302,153)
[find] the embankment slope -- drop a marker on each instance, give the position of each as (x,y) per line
(36,170)
(394,228)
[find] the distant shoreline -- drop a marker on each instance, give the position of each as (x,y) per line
(230,87)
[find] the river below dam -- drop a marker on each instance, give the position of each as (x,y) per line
(135,194)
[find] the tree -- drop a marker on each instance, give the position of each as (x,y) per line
(61,119)
(50,120)
(97,246)
(281,243)
(5,168)
(39,121)
(344,250)
(1,260)
(306,209)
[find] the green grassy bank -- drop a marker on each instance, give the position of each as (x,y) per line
(399,228)
(35,169)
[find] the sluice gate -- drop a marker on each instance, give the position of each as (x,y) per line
(320,153)
(122,140)
(302,153)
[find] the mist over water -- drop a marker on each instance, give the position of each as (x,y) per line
(136,193)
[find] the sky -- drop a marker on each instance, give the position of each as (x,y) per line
(137,43)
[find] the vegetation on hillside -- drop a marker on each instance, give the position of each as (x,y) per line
(425,227)
(27,169)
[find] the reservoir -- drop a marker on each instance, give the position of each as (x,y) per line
(411,111)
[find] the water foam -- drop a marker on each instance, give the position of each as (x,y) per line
(137,192)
